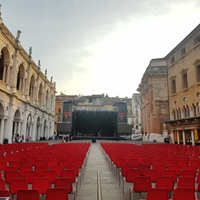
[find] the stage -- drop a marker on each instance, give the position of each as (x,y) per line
(93,138)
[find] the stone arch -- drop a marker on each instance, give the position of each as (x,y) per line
(47,98)
(40,93)
(32,87)
(4,61)
(38,125)
(45,126)
(28,126)
(17,123)
(1,110)
(20,78)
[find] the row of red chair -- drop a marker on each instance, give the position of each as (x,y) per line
(33,194)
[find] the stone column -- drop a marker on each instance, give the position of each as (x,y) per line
(183,135)
(178,137)
(1,130)
(4,73)
(192,136)
(8,75)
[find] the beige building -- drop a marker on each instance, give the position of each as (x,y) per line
(184,89)
(27,97)
(154,100)
(66,104)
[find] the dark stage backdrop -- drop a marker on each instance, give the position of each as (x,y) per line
(91,122)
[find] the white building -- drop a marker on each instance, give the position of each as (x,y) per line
(27,97)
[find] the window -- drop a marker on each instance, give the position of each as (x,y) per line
(183,51)
(173,84)
(90,100)
(197,39)
(184,80)
(59,111)
(59,119)
(198,73)
(172,60)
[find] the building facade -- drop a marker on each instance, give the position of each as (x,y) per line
(154,100)
(27,97)
(66,104)
(136,112)
(184,89)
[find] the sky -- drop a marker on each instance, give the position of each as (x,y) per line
(99,46)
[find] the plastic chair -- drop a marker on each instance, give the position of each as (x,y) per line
(17,184)
(172,173)
(130,177)
(10,175)
(51,174)
(186,181)
(24,168)
(65,183)
(30,175)
(157,194)
(28,194)
(141,185)
(183,194)
(41,184)
(2,184)
(152,173)
(4,193)
(56,193)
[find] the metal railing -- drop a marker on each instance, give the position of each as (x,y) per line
(99,189)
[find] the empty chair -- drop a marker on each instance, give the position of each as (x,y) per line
(157,194)
(56,193)
(186,181)
(2,184)
(41,184)
(24,168)
(159,167)
(141,185)
(142,168)
(41,169)
(30,175)
(51,174)
(130,177)
(188,172)
(4,193)
(65,183)
(171,173)
(11,174)
(152,173)
(28,194)
(181,193)
(174,167)
(25,161)
(165,182)
(17,184)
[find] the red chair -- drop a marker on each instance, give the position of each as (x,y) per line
(171,173)
(152,173)
(157,194)
(51,174)
(28,194)
(57,168)
(65,183)
(41,184)
(186,181)
(3,164)
(141,185)
(5,193)
(56,193)
(183,194)
(130,177)
(10,175)
(25,161)
(142,168)
(24,168)
(41,169)
(174,167)
(2,184)
(17,184)
(159,167)
(30,175)
(188,172)
(165,182)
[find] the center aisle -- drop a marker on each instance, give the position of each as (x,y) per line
(110,186)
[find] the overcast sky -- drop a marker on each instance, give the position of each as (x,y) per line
(99,46)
